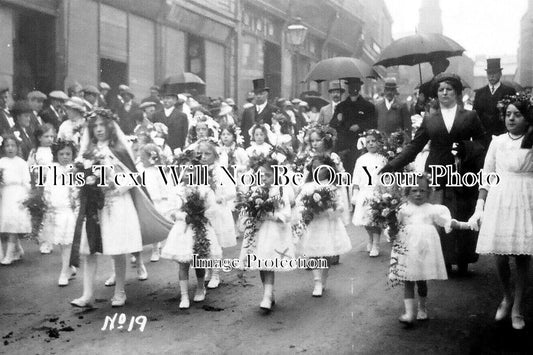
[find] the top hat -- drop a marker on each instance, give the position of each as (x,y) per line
(390,83)
(493,65)
(335,85)
(260,85)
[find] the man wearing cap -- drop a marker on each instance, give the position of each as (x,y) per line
(126,111)
(154,97)
(486,100)
(335,94)
(352,117)
(36,101)
(54,113)
(90,96)
(144,116)
(102,98)
(391,114)
(6,119)
(75,90)
(175,120)
(22,112)
(261,112)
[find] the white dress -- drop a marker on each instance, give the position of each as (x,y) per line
(41,156)
(119,222)
(180,242)
(273,241)
(257,149)
(71,131)
(160,193)
(60,218)
(14,217)
(225,192)
(373,162)
(325,235)
(507,226)
(422,257)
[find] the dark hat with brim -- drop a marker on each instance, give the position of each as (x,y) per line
(453,79)
(335,86)
(493,65)
(20,107)
(260,86)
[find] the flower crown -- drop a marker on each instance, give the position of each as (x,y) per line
(521,98)
(258,160)
(101,112)
(325,130)
(188,157)
(371,132)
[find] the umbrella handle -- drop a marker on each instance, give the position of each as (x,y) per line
(420,73)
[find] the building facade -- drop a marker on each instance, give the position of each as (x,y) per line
(524,75)
(50,44)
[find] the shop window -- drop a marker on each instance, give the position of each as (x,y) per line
(196,55)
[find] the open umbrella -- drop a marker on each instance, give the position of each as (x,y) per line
(315,101)
(183,78)
(340,68)
(513,84)
(419,48)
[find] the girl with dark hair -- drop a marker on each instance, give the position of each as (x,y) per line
(15,219)
(259,141)
(506,209)
(59,220)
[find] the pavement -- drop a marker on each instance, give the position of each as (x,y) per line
(358,313)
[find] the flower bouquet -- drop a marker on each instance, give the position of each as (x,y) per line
(194,208)
(393,145)
(37,206)
(384,206)
(318,201)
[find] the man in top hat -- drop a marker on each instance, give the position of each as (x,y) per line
(261,112)
(6,118)
(391,114)
(486,100)
(36,101)
(90,96)
(352,117)
(102,98)
(335,94)
(126,111)
(54,114)
(175,120)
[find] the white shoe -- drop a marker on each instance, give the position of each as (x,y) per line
(266,304)
(63,280)
(119,299)
(45,249)
(110,281)
(368,247)
(409,316)
(422,313)
(214,282)
(7,260)
(317,291)
(142,274)
(374,252)
(155,256)
(73,272)
(184,303)
(199,295)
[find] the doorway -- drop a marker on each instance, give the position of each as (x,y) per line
(114,73)
(34,53)
(272,69)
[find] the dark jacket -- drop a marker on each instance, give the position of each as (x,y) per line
(4,123)
(485,105)
(127,118)
(26,143)
(250,117)
(397,118)
(177,124)
(348,113)
(49,116)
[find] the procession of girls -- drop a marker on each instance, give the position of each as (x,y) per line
(159,214)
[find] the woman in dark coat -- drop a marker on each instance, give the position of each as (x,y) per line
(457,137)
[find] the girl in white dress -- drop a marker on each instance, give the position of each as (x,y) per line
(325,236)
(417,254)
(272,242)
(14,188)
(42,155)
(259,143)
(181,241)
(364,187)
(507,207)
(231,140)
(60,218)
(225,193)
(120,230)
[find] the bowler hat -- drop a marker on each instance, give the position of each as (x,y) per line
(390,83)
(335,85)
(36,95)
(20,107)
(260,85)
(493,65)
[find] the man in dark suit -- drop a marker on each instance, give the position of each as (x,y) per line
(261,112)
(126,111)
(486,100)
(175,120)
(54,113)
(352,117)
(391,114)
(22,112)
(6,117)
(36,101)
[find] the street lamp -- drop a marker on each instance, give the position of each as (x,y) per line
(296,34)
